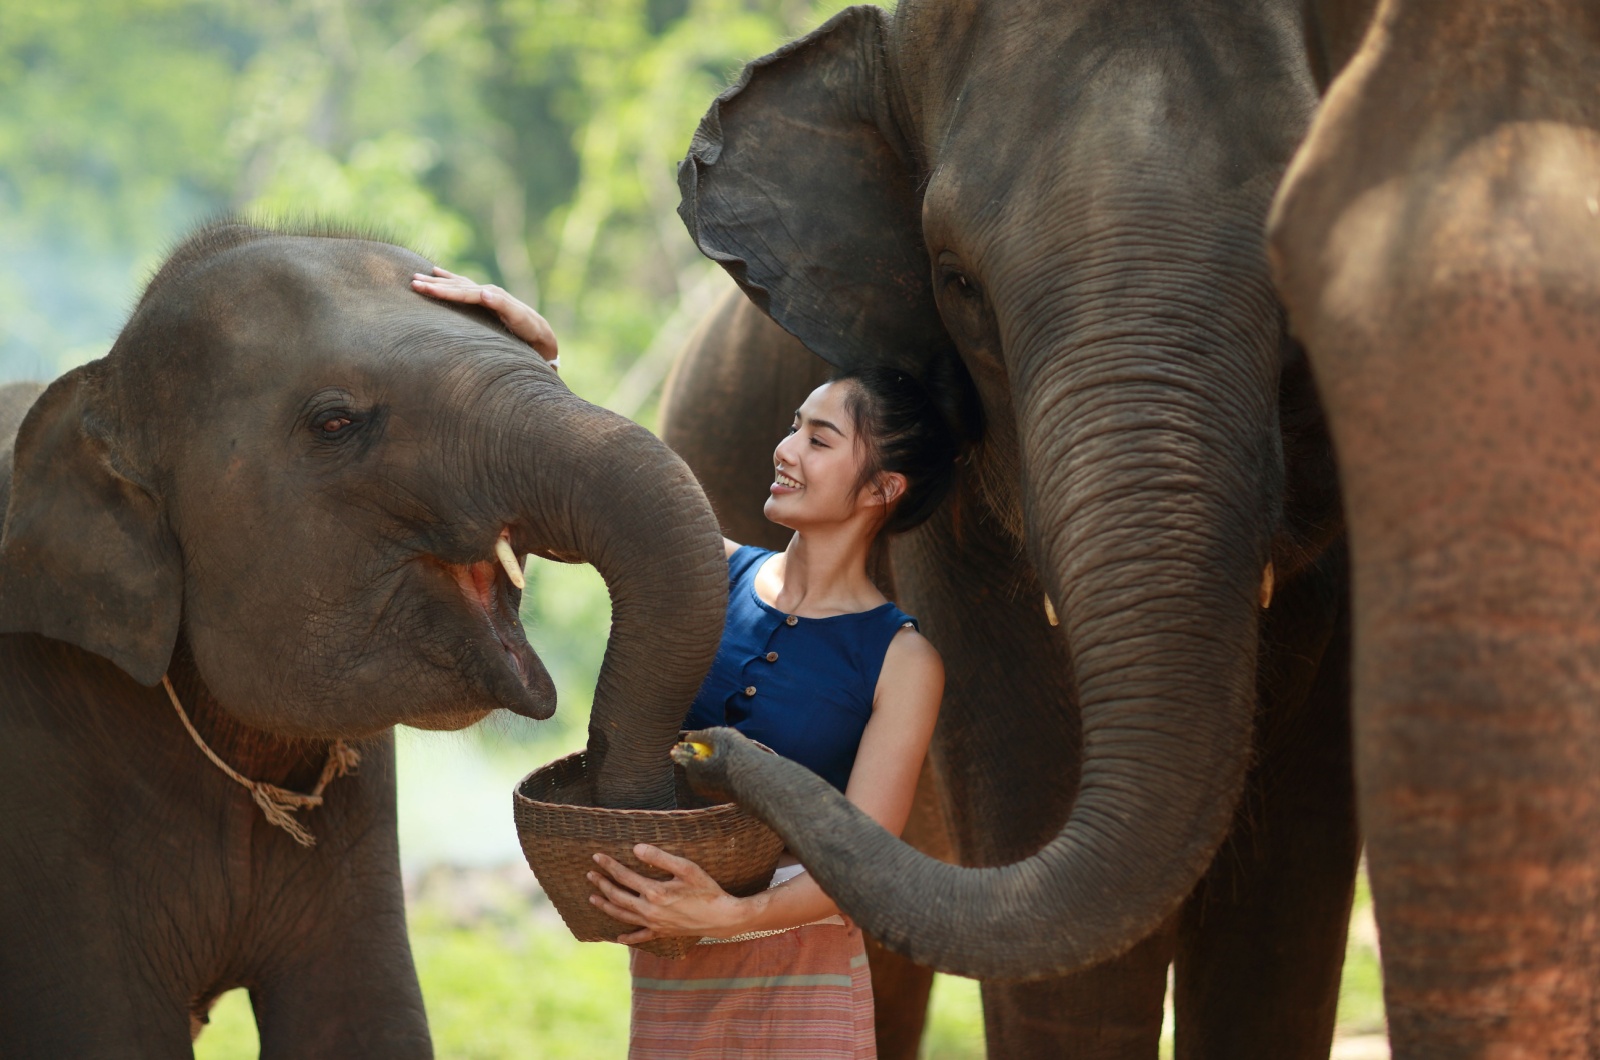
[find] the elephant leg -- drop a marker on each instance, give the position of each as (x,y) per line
(349,991)
(1110,1012)
(337,978)
(1262,940)
(900,988)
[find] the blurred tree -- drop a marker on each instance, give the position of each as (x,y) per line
(528,141)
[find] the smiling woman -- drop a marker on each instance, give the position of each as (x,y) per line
(818,665)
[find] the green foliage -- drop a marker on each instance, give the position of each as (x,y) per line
(531,142)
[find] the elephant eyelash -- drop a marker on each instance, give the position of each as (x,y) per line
(963,285)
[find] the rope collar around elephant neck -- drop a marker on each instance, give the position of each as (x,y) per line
(277,804)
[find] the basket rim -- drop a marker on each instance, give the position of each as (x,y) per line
(575,807)
(609,811)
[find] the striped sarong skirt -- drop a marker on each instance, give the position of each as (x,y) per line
(804,994)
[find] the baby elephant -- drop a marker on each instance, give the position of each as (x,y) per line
(284,514)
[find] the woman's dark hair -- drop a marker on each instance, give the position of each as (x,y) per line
(901,429)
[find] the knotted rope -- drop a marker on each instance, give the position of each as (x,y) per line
(277,804)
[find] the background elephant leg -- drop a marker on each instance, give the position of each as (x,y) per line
(900,988)
(1110,1012)
(1262,939)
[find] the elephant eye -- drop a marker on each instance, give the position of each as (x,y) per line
(334,424)
(962,284)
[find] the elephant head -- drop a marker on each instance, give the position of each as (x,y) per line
(299,468)
(1058,208)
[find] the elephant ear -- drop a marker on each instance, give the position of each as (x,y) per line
(86,556)
(799,184)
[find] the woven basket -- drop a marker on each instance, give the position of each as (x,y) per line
(561,830)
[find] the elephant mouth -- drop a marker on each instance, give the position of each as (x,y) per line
(494,601)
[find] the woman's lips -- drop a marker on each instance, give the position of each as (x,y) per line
(782,483)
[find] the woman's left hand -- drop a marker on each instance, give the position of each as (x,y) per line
(690,903)
(521,319)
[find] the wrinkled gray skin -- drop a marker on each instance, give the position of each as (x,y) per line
(192,504)
(1055,212)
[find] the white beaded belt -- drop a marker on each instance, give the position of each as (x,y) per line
(784,874)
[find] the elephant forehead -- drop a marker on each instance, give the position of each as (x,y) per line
(1100,90)
(286,304)
(305,284)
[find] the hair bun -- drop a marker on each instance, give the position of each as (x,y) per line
(907,433)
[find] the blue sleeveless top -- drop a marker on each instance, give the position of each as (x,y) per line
(802,686)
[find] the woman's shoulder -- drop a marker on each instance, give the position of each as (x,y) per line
(742,558)
(913,669)
(911,648)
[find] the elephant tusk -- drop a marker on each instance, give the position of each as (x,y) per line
(1267,583)
(508,560)
(1050,611)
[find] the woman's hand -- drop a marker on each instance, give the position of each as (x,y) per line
(520,319)
(690,903)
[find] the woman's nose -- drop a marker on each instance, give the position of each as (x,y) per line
(784,453)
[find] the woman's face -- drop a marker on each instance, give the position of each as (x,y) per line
(818,466)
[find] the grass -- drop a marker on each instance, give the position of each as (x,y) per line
(502,978)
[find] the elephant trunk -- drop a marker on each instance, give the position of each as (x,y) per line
(1150,499)
(596,487)
(1149,504)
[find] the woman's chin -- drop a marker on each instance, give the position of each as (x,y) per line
(774,511)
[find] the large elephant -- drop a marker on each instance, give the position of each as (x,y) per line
(1055,211)
(1437,242)
(283,487)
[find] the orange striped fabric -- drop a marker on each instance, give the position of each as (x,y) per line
(803,995)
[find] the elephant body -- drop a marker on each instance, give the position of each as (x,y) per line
(1053,213)
(140,883)
(282,490)
(1437,243)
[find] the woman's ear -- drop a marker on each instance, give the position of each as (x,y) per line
(887,487)
(800,184)
(86,556)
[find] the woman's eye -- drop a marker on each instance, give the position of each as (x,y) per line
(819,443)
